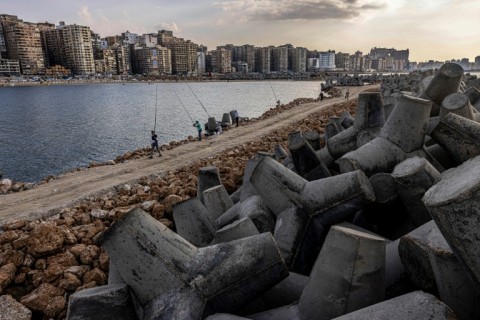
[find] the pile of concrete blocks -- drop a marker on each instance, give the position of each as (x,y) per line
(381,222)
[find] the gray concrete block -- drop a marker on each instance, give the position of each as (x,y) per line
(207,177)
(236,230)
(104,302)
(384,187)
(348,275)
(411,306)
(178,304)
(217,201)
(194,222)
(446,80)
(413,250)
(413,177)
(290,312)
(454,204)
(454,287)
(459,136)
(224,316)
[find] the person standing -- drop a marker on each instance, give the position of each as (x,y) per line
(199,129)
(154,145)
(237,117)
(321,96)
(347,94)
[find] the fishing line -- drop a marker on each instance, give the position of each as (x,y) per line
(156,100)
(273,91)
(197,98)
(183,105)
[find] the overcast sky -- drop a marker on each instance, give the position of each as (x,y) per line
(431,29)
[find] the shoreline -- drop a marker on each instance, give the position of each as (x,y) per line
(19,186)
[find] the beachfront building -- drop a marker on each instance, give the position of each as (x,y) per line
(122,57)
(327,60)
(106,62)
(202,61)
(279,59)
(148,40)
(71,46)
(262,60)
(298,58)
(23,43)
(342,61)
(476,64)
(9,67)
(395,59)
(313,64)
(221,61)
(183,52)
(152,61)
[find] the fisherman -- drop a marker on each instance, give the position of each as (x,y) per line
(199,129)
(347,94)
(321,96)
(237,117)
(278,103)
(154,145)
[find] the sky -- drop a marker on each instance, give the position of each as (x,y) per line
(431,29)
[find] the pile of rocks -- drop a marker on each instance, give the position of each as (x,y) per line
(342,230)
(43,262)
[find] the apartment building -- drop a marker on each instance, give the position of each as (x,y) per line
(183,52)
(152,61)
(71,46)
(23,43)
(327,60)
(122,56)
(9,67)
(279,59)
(221,61)
(342,61)
(298,58)
(262,60)
(106,62)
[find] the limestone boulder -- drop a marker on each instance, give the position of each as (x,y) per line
(12,309)
(7,274)
(45,239)
(42,297)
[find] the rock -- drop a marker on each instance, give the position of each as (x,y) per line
(7,274)
(11,309)
(171,200)
(70,282)
(45,239)
(95,275)
(98,213)
(90,253)
(40,298)
(14,225)
(8,236)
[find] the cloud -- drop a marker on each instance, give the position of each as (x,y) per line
(298,10)
(171,26)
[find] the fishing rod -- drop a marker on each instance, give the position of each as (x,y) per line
(197,97)
(183,105)
(273,91)
(156,100)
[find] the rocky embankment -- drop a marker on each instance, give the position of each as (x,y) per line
(43,262)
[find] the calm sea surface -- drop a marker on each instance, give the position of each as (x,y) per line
(51,129)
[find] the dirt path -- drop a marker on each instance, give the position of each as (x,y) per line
(75,186)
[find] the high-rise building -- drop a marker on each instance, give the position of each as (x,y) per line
(262,60)
(327,60)
(279,59)
(122,55)
(71,46)
(477,63)
(152,61)
(298,60)
(221,60)
(106,62)
(183,52)
(23,43)
(342,61)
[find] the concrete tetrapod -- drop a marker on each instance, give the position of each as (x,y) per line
(313,138)
(454,288)
(226,119)
(413,177)
(411,306)
(303,155)
(454,204)
(413,251)
(401,137)
(459,136)
(370,117)
(193,222)
(217,201)
(156,263)
(349,274)
(254,208)
(104,302)
(446,80)
(207,177)
(236,230)
(281,188)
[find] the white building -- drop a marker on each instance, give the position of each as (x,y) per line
(327,60)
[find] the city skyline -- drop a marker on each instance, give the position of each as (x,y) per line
(430,29)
